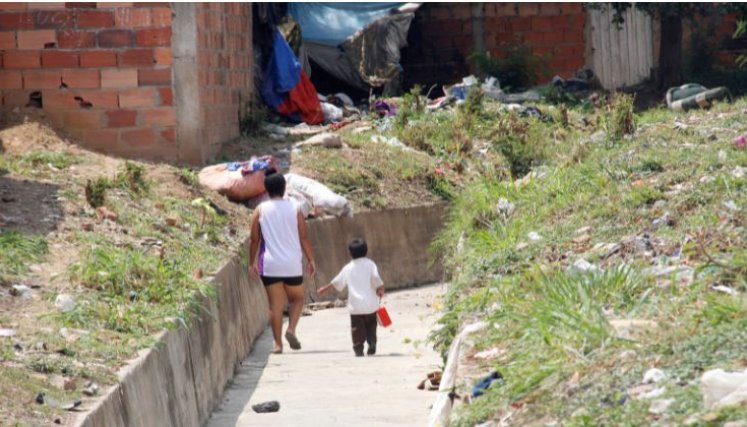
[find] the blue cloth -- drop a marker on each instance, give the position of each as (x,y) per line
(484,384)
(332,23)
(282,74)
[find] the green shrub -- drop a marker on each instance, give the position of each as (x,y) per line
(518,68)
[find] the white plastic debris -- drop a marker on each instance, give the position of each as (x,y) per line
(729,204)
(739,172)
(653,375)
(441,410)
(64,303)
(534,236)
(660,406)
(22,291)
(679,272)
(653,394)
(331,112)
(721,388)
(325,139)
(721,156)
(489,354)
(505,207)
(5,332)
(724,289)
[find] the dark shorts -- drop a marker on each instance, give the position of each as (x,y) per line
(290,281)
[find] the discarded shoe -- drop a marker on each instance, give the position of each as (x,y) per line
(269,406)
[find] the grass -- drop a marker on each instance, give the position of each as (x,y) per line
(38,164)
(554,324)
(19,251)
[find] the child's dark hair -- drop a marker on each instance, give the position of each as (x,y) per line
(275,185)
(358,248)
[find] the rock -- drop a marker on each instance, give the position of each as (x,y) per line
(86,226)
(17,347)
(104,213)
(490,354)
(583,266)
(5,332)
(21,291)
(583,230)
(197,274)
(659,406)
(680,273)
(653,375)
(64,302)
(605,250)
(582,239)
(40,398)
(173,220)
(722,156)
(340,303)
(270,406)
(35,268)
(534,236)
(653,393)
(320,305)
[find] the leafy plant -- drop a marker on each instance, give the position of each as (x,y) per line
(19,250)
(96,191)
(516,68)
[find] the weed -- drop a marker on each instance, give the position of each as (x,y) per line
(189,177)
(516,68)
(96,191)
(131,177)
(251,123)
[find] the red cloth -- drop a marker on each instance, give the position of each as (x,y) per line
(304,100)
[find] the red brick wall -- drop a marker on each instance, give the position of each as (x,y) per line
(441,37)
(224,55)
(103,70)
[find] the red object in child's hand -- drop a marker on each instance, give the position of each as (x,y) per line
(382,316)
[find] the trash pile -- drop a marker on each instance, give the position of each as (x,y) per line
(243,182)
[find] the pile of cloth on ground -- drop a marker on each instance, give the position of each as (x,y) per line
(692,95)
(243,182)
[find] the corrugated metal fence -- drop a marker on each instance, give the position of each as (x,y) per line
(621,55)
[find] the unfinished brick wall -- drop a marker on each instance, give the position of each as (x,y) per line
(442,37)
(225,56)
(103,72)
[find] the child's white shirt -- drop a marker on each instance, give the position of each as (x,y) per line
(361,276)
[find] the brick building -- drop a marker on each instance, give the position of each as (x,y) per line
(145,80)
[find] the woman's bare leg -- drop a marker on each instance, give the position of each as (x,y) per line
(296,298)
(276,297)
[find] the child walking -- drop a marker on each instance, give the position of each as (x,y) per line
(365,288)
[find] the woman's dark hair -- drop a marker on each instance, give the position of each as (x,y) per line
(358,248)
(275,185)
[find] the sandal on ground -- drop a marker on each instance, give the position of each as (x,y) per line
(293,341)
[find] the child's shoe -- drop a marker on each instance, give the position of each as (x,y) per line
(371,350)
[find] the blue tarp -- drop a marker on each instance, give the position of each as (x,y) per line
(332,23)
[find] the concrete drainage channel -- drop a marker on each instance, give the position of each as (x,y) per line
(183,377)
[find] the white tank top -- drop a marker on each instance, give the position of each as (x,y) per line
(280,245)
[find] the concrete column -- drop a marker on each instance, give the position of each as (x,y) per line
(478,27)
(186,84)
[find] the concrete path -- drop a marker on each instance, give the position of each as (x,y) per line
(324,384)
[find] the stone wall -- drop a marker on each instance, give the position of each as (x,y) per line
(444,35)
(104,73)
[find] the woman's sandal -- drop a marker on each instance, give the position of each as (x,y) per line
(292,340)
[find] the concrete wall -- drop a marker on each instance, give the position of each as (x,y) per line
(180,381)
(398,241)
(443,35)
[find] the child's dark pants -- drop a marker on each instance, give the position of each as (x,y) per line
(363,328)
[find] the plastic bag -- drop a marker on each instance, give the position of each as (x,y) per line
(319,194)
(721,388)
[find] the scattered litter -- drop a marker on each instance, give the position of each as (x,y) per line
(739,172)
(605,250)
(489,354)
(393,141)
(5,332)
(729,204)
(22,291)
(580,81)
(722,156)
(724,289)
(682,273)
(534,236)
(64,302)
(322,305)
(43,399)
(239,181)
(270,406)
(583,266)
(91,389)
(385,109)
(626,328)
(659,406)
(431,382)
(331,112)
(653,375)
(326,140)
(721,388)
(693,95)
(485,383)
(740,143)
(319,194)
(653,394)
(441,409)
(504,207)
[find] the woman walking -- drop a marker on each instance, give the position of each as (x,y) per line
(279,239)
